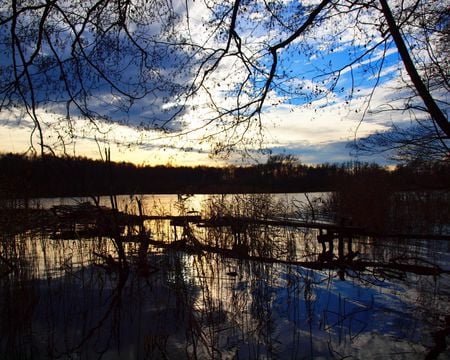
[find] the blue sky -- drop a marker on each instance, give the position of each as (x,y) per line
(312,111)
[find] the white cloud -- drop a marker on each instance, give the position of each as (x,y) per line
(380,54)
(323,122)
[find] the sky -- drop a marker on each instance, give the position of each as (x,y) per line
(305,114)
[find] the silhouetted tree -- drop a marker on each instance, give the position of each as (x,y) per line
(417,29)
(142,63)
(414,144)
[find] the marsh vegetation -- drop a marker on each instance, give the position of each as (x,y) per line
(218,277)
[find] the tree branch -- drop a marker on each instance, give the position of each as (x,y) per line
(435,112)
(273,49)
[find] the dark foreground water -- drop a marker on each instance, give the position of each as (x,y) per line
(207,306)
(65,299)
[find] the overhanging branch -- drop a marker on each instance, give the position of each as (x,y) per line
(435,112)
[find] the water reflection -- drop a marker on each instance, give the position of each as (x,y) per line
(73,299)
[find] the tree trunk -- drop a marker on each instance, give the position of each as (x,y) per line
(435,112)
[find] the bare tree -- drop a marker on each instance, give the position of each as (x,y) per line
(126,60)
(423,140)
(98,60)
(420,143)
(263,40)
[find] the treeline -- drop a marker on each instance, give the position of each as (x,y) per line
(26,177)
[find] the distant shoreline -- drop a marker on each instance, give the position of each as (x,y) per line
(53,177)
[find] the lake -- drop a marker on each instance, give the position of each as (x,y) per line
(195,289)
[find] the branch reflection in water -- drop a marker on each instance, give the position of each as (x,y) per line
(219,289)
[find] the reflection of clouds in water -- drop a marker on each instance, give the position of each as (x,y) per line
(204,303)
(195,303)
(375,345)
(343,316)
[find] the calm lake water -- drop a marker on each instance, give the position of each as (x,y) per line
(65,298)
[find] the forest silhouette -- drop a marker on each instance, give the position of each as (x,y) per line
(49,176)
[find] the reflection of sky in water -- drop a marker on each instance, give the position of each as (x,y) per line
(163,203)
(308,312)
(239,308)
(206,306)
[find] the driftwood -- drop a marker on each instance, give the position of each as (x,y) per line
(102,221)
(14,221)
(338,229)
(339,264)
